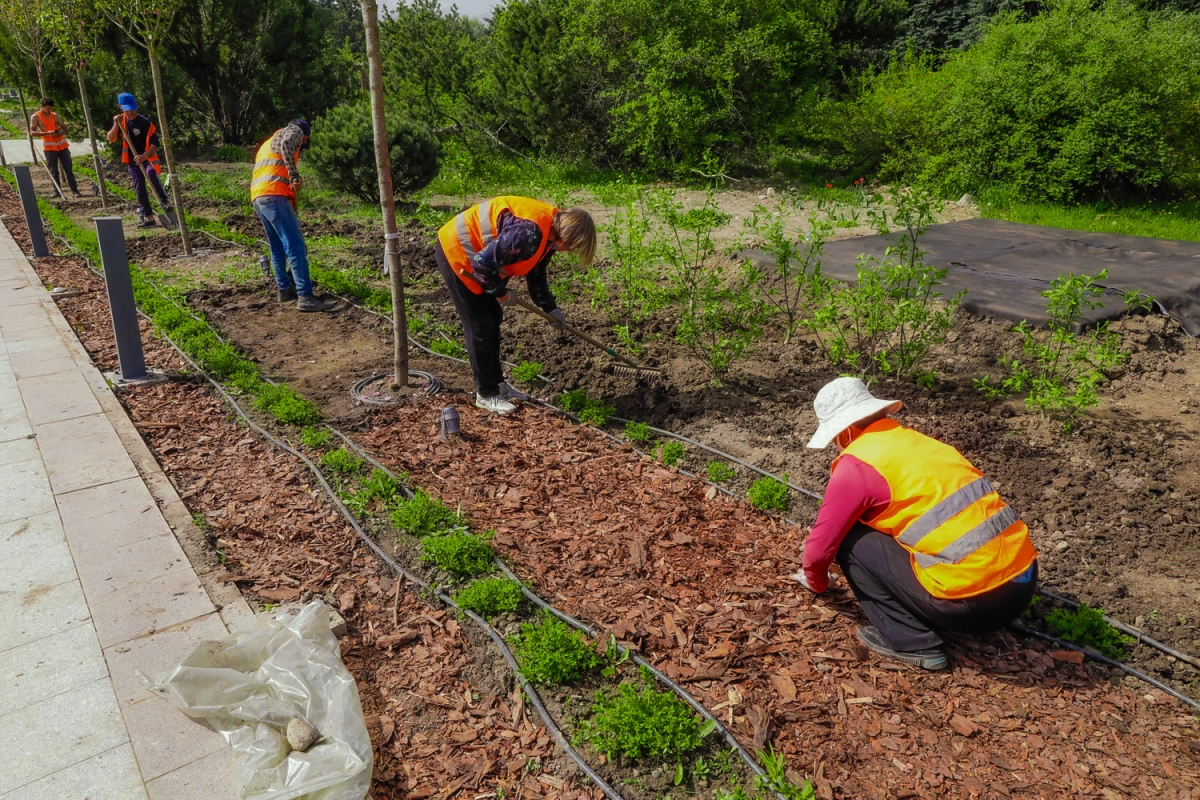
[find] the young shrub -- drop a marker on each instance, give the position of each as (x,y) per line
(719,472)
(768,494)
(629,288)
(448,347)
(461,554)
(670,453)
(490,596)
(638,433)
(342,462)
(792,286)
(641,722)
(551,652)
(596,413)
(527,372)
(573,401)
(1063,372)
(1085,626)
(423,516)
(232,154)
(316,438)
(343,153)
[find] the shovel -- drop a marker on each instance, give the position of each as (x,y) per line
(167,218)
(628,368)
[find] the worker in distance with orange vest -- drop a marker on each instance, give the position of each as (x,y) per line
(146,141)
(923,538)
(48,125)
(273,188)
(479,250)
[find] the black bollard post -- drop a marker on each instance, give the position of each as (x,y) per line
(111,235)
(33,216)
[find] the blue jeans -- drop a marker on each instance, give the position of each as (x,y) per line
(287,243)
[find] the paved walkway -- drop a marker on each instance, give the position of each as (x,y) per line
(94,585)
(16,151)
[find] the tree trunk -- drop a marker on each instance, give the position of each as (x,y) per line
(87,118)
(160,103)
(25,114)
(41,80)
(387,202)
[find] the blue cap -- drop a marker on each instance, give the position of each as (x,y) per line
(126,101)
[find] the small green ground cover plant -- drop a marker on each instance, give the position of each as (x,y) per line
(490,596)
(719,472)
(768,494)
(671,452)
(1085,626)
(379,490)
(527,372)
(460,553)
(341,461)
(638,433)
(422,515)
(315,438)
(549,651)
(573,401)
(593,412)
(448,347)
(640,722)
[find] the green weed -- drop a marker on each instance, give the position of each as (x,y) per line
(638,433)
(1085,626)
(551,652)
(342,462)
(719,472)
(670,453)
(527,372)
(573,401)
(490,596)
(448,347)
(594,412)
(422,515)
(316,438)
(459,553)
(776,780)
(768,494)
(285,405)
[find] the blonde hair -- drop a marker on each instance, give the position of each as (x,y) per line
(577,231)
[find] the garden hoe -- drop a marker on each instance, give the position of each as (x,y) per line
(628,368)
(167,218)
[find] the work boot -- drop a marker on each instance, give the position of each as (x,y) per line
(146,222)
(287,295)
(496,405)
(932,659)
(78,195)
(509,393)
(310,303)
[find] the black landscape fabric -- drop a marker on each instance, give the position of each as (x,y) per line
(1005,266)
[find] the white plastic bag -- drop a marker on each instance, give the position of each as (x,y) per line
(249,685)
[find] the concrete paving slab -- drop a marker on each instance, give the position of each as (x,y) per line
(34,552)
(56,733)
(52,398)
(38,612)
(112,775)
(110,570)
(24,488)
(147,607)
(33,344)
(153,655)
(165,740)
(36,367)
(48,667)
(200,780)
(82,452)
(16,451)
(109,516)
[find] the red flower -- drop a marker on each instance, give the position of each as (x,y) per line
(829,186)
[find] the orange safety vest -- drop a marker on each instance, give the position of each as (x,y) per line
(463,237)
(126,158)
(51,142)
(271,174)
(962,538)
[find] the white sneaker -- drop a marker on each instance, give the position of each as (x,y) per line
(496,405)
(509,393)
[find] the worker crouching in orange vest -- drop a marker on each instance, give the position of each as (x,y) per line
(924,539)
(479,250)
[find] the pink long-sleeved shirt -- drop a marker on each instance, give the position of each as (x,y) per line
(855,491)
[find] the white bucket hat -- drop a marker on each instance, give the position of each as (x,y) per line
(840,404)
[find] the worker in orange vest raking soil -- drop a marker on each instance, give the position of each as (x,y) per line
(924,539)
(47,124)
(273,188)
(130,127)
(479,250)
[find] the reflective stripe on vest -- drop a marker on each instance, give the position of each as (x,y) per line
(51,142)
(270,175)
(962,538)
(465,236)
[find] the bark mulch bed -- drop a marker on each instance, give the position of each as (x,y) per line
(698,582)
(443,714)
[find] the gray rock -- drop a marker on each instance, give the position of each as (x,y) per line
(300,734)
(1061,546)
(966,200)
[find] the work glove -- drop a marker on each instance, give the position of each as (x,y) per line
(509,298)
(802,579)
(559,317)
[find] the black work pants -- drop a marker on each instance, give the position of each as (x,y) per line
(56,157)
(481,315)
(903,611)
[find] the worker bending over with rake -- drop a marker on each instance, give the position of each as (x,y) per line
(479,250)
(143,161)
(47,124)
(924,539)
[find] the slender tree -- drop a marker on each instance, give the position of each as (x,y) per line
(147,23)
(370,13)
(21,17)
(74,27)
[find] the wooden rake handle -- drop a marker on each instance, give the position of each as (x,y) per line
(525,304)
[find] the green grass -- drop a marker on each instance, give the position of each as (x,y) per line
(1169,220)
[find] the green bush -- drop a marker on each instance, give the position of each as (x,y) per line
(594,412)
(343,153)
(232,154)
(768,494)
(551,652)
(1085,626)
(719,472)
(638,433)
(527,372)
(641,722)
(490,596)
(342,462)
(1083,100)
(459,553)
(671,452)
(316,438)
(573,401)
(422,515)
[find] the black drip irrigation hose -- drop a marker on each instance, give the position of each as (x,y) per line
(1131,630)
(432,386)
(1092,654)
